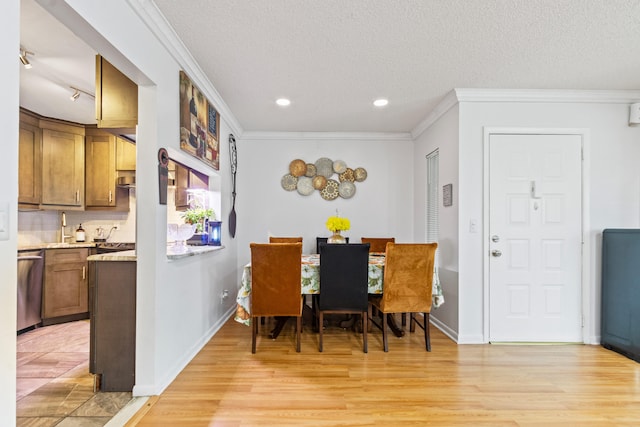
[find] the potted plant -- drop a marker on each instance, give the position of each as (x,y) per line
(198,216)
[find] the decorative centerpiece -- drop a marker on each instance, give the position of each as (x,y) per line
(337,225)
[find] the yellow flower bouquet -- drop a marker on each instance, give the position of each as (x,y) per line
(336,223)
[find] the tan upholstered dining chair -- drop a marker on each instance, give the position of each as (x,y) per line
(275,284)
(378,244)
(406,287)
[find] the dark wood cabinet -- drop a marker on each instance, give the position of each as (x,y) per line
(185,179)
(65,288)
(100,161)
(116,97)
(112,289)
(29,162)
(62,165)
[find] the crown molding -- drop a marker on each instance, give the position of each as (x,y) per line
(450,100)
(459,95)
(149,13)
(548,95)
(324,136)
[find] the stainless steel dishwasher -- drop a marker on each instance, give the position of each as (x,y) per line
(30,266)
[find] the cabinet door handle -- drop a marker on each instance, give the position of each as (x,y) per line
(77,196)
(84,272)
(110,196)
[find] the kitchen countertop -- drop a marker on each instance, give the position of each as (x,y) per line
(57,246)
(114,256)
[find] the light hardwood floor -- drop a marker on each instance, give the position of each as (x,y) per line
(454,385)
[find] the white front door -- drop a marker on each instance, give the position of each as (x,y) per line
(535,232)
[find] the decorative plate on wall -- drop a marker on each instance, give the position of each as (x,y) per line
(324,167)
(305,186)
(311,170)
(289,182)
(330,192)
(360,174)
(339,166)
(347,175)
(346,189)
(297,167)
(319,182)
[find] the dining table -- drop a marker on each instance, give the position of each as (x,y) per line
(310,285)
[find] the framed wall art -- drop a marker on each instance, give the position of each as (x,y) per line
(199,124)
(447,195)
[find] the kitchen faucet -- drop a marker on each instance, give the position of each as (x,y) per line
(62,226)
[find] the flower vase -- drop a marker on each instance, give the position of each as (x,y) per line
(336,237)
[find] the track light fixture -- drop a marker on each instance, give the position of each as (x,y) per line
(24,59)
(77,92)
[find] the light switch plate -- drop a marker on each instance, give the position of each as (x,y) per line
(4,221)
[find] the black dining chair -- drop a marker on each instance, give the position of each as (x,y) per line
(323,240)
(344,271)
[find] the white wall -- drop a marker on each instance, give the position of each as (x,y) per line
(178,302)
(381,206)
(441,135)
(9,103)
(613,184)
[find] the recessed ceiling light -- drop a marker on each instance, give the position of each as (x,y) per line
(380,102)
(283,102)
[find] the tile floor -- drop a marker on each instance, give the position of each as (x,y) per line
(54,386)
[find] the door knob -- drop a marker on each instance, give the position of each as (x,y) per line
(496,253)
(495,238)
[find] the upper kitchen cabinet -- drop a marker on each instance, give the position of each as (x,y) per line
(125,155)
(62,165)
(116,97)
(100,161)
(29,170)
(101,154)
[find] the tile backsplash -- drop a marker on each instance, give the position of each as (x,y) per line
(35,227)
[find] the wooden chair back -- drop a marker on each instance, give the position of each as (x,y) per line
(275,239)
(378,244)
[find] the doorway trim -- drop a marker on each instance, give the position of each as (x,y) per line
(587,290)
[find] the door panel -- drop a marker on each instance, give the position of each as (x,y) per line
(535,187)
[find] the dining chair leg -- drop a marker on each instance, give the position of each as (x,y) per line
(365,325)
(298,328)
(427,335)
(320,328)
(254,332)
(404,319)
(385,345)
(412,322)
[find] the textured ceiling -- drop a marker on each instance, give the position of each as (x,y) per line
(332,58)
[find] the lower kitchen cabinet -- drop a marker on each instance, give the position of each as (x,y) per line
(112,352)
(65,288)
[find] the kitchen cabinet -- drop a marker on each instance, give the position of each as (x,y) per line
(100,162)
(116,97)
(29,158)
(112,289)
(62,165)
(185,179)
(620,317)
(101,192)
(65,287)
(125,155)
